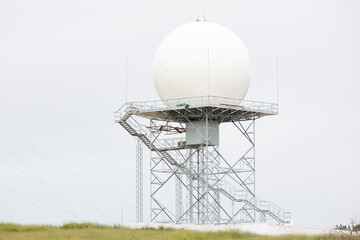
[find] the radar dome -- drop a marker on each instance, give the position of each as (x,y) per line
(201,59)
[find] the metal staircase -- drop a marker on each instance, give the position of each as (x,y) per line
(265,208)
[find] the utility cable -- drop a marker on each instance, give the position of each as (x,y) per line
(54,205)
(27,199)
(25,142)
(59,165)
(68,170)
(57,189)
(37,178)
(64,137)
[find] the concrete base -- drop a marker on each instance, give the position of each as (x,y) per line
(255,228)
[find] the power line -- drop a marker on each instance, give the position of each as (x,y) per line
(68,210)
(25,143)
(27,199)
(54,205)
(37,178)
(39,124)
(44,157)
(49,186)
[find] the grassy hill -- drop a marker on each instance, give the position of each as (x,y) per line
(89,231)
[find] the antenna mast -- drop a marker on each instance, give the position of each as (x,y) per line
(126,63)
(277,81)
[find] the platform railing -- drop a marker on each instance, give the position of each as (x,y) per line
(190,102)
(163,143)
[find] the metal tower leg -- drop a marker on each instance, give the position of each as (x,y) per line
(190,192)
(201,190)
(247,171)
(178,196)
(214,171)
(139,180)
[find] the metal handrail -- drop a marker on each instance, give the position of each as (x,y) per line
(144,106)
(160,143)
(266,206)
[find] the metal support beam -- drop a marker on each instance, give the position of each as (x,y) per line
(139,180)
(178,196)
(190,191)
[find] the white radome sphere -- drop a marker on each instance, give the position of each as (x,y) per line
(201,59)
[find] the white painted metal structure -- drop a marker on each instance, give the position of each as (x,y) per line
(217,190)
(199,59)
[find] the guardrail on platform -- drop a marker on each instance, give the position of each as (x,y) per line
(203,101)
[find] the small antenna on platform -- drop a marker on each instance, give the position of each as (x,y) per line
(201,19)
(126,79)
(277,81)
(208,71)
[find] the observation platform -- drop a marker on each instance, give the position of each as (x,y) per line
(182,110)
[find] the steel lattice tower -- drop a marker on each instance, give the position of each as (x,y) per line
(185,157)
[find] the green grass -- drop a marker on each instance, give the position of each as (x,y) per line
(90,231)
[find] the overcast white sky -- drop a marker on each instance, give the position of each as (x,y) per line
(62,68)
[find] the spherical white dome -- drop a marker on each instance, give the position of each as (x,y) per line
(201,59)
